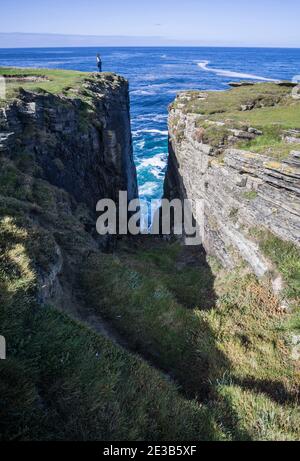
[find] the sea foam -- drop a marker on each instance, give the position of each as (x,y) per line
(228,73)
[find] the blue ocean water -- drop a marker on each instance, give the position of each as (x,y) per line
(155,76)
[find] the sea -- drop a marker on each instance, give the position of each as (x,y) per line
(155,76)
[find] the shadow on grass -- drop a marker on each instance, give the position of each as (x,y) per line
(274,390)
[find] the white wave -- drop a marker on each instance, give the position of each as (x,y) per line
(228,73)
(170,66)
(140,144)
(149,90)
(143,92)
(157,173)
(55,52)
(155,165)
(158,85)
(153,131)
(151,117)
(158,160)
(149,77)
(160,117)
(148,188)
(174,91)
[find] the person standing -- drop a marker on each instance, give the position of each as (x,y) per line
(99,62)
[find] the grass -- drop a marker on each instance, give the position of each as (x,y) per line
(250,195)
(272,110)
(285,116)
(216,136)
(286,258)
(56,82)
(226,102)
(159,303)
(219,335)
(62,381)
(234,349)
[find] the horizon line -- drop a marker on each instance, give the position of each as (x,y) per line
(165,41)
(267,47)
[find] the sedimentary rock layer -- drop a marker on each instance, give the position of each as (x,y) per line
(242,191)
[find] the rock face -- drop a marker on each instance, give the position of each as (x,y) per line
(59,155)
(81,144)
(240,191)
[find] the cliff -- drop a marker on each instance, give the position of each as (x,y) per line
(79,141)
(61,152)
(144,339)
(72,372)
(239,152)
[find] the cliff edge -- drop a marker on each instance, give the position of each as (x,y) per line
(77,139)
(238,151)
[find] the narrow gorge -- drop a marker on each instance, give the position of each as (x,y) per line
(143,338)
(234,152)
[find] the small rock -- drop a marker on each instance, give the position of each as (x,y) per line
(241,181)
(291,136)
(277,285)
(241,134)
(293,159)
(291,140)
(295,339)
(255,131)
(246,107)
(4,140)
(239,84)
(287,84)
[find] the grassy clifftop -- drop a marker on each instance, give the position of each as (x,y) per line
(268,108)
(66,82)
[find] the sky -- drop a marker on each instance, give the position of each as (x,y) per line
(153,22)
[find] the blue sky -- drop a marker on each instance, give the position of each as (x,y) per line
(199,22)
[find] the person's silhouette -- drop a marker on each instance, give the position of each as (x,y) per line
(99,62)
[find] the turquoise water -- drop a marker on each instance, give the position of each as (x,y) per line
(155,76)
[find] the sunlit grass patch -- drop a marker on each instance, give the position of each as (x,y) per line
(266,107)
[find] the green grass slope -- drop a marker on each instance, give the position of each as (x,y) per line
(61,380)
(271,109)
(222,335)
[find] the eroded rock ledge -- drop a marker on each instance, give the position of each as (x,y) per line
(243,190)
(63,147)
(81,142)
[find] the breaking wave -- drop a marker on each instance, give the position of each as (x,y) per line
(150,131)
(155,165)
(147,189)
(228,73)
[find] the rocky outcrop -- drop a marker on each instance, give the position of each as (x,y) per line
(240,190)
(59,155)
(81,144)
